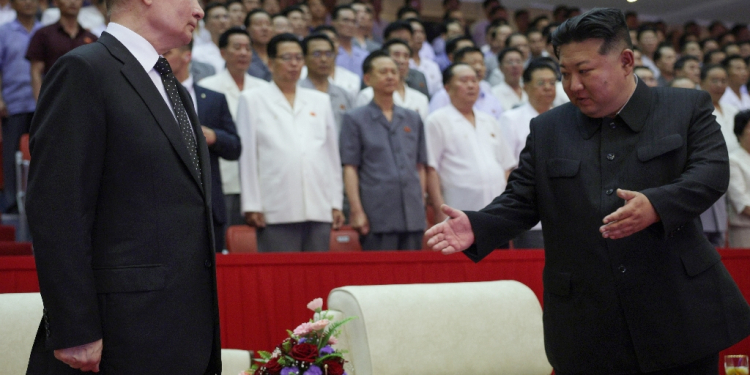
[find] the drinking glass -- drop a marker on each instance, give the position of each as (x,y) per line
(736,365)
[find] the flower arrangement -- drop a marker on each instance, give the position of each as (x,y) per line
(307,350)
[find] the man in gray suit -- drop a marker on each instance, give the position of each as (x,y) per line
(320,60)
(618,178)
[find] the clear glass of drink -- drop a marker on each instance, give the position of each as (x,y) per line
(736,365)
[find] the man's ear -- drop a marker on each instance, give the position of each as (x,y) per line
(366,78)
(627,59)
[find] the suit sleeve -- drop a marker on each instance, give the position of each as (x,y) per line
(228,145)
(706,174)
(68,141)
(512,212)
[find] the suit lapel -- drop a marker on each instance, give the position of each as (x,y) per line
(141,82)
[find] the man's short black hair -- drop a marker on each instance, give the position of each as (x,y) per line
(459,55)
(538,64)
(607,24)
(646,27)
(397,26)
(322,28)
(707,55)
(253,12)
(388,43)
(213,5)
(728,61)
(315,36)
(414,20)
(448,72)
(367,64)
(487,3)
(706,40)
(658,53)
(535,22)
(224,38)
(505,51)
(520,12)
(292,8)
(709,67)
(273,44)
(513,35)
(452,44)
(680,63)
(715,24)
(684,41)
(338,9)
(405,9)
(740,123)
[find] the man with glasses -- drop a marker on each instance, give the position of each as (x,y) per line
(320,59)
(217,22)
(290,171)
(510,91)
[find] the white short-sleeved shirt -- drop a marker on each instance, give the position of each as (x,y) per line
(413,99)
(741,102)
(507,97)
(470,160)
(431,72)
(738,192)
(725,118)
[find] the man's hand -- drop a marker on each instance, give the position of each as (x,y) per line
(3,109)
(85,357)
(359,221)
(255,219)
(452,235)
(338,219)
(633,217)
(209,134)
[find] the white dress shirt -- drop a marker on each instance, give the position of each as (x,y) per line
(486,102)
(427,52)
(343,78)
(209,53)
(144,52)
(290,168)
(7,13)
(515,125)
(741,102)
(471,160)
(507,97)
(412,99)
(738,192)
(224,83)
(431,72)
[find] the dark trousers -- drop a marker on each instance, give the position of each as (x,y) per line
(219,234)
(392,241)
(294,237)
(708,365)
(13,128)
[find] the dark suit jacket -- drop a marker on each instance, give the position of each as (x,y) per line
(121,221)
(416,80)
(213,112)
(656,299)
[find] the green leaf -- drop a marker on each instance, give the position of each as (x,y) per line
(265,355)
(332,330)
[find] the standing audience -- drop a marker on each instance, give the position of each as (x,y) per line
(258,24)
(217,22)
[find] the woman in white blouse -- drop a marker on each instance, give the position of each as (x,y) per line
(739,184)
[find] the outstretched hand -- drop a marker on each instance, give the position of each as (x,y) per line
(452,235)
(633,217)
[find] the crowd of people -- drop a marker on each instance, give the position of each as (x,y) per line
(330,116)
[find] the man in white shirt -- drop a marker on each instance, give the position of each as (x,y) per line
(510,91)
(429,68)
(290,169)
(404,96)
(736,94)
(234,45)
(7,13)
(468,158)
(541,84)
(217,22)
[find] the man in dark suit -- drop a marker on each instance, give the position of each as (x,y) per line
(119,205)
(218,129)
(645,292)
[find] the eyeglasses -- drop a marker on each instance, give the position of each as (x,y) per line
(545,82)
(512,62)
(319,54)
(287,58)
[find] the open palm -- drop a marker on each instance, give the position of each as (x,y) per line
(452,235)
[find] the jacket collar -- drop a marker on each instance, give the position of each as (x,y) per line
(379,117)
(634,114)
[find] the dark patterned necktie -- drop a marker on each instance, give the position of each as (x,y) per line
(170,85)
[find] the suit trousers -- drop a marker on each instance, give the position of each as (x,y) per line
(13,128)
(708,365)
(294,237)
(392,241)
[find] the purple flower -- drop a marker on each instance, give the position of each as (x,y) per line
(290,371)
(314,370)
(326,350)
(302,340)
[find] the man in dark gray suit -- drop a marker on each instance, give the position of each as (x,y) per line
(119,205)
(633,287)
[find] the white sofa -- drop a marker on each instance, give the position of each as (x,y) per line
(20,315)
(475,328)
(234,361)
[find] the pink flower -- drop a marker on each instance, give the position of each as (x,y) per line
(319,325)
(316,304)
(303,329)
(333,340)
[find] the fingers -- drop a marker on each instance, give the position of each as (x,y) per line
(434,240)
(626,194)
(365,228)
(450,211)
(260,220)
(437,228)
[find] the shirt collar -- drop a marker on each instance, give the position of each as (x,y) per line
(137,45)
(634,113)
(188,82)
